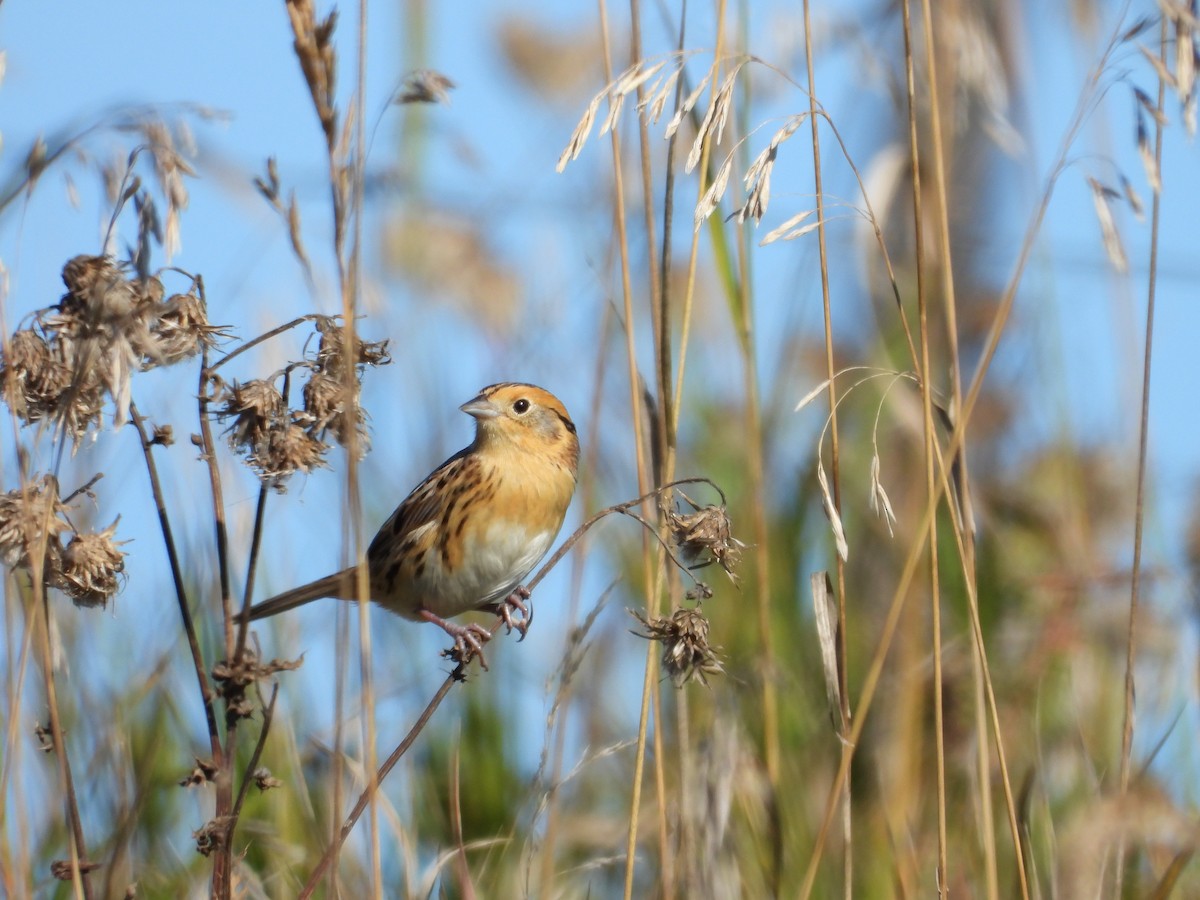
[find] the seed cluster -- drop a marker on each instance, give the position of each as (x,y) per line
(86,348)
(277,441)
(89,568)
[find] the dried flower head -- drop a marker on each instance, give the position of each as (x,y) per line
(87,569)
(264,780)
(91,567)
(704,537)
(257,408)
(248,670)
(328,403)
(30,514)
(181,329)
(325,409)
(212,836)
(33,375)
(332,347)
(45,737)
(204,772)
(686,651)
(425,86)
(103,330)
(291,448)
(62,870)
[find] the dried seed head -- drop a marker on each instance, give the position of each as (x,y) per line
(169,167)
(425,86)
(233,679)
(28,515)
(331,350)
(91,567)
(204,772)
(45,737)
(1102,197)
(212,836)
(62,869)
(101,326)
(325,410)
(33,375)
(686,651)
(181,329)
(264,780)
(105,328)
(257,408)
(88,277)
(704,537)
(290,448)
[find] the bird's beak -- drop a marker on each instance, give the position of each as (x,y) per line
(481,408)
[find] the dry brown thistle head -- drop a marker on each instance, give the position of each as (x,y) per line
(257,408)
(88,569)
(704,537)
(425,86)
(264,780)
(92,567)
(28,515)
(330,403)
(33,375)
(291,448)
(105,328)
(181,330)
(686,651)
(63,870)
(325,409)
(331,351)
(278,441)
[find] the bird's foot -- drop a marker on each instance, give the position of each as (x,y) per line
(515,602)
(468,639)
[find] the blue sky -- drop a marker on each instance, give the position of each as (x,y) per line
(491,155)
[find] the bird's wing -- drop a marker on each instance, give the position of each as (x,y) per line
(420,508)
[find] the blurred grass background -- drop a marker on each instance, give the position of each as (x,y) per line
(480,264)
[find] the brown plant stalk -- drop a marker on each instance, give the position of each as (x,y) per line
(1143,441)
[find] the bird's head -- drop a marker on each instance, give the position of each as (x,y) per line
(525,418)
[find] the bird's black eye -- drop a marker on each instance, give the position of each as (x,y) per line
(521,407)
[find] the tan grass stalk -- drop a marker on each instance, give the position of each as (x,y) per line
(22,872)
(38,619)
(351,289)
(643,476)
(756,458)
(345,149)
(928,434)
(845,713)
(660,324)
(591,451)
(222,874)
(1143,441)
(963,483)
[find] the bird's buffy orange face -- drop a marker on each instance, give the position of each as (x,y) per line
(525,419)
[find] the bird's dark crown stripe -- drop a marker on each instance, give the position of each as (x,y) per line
(567,423)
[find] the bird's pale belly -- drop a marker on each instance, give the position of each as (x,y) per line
(494,564)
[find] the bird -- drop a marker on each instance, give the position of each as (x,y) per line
(467,536)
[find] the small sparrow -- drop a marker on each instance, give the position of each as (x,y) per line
(467,535)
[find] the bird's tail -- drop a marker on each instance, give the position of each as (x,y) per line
(339,584)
